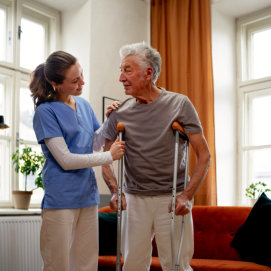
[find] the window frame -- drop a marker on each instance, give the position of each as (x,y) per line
(51,17)
(9,5)
(245,27)
(8,135)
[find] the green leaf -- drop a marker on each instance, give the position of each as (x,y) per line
(28,162)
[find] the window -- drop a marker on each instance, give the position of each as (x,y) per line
(20,52)
(6,30)
(254,92)
(6,82)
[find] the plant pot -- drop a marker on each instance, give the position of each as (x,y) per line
(21,199)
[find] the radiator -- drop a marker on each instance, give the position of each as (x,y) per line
(20,243)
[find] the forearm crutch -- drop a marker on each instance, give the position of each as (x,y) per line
(179,133)
(120,131)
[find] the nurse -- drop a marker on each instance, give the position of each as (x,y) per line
(66,127)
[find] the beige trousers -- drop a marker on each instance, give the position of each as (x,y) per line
(69,239)
(145,217)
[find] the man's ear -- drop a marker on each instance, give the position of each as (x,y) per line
(149,72)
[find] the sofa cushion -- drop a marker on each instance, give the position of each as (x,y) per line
(225,265)
(214,229)
(253,238)
(107,233)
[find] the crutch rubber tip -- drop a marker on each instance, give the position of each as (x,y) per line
(176,126)
(120,127)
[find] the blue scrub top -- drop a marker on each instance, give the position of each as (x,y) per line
(66,189)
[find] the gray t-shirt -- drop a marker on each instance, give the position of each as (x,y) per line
(149,155)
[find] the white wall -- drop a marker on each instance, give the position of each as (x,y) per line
(113,24)
(76,28)
(224,71)
(94,33)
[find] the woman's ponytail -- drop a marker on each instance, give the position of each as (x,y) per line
(42,91)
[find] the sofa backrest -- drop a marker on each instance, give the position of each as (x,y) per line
(214,229)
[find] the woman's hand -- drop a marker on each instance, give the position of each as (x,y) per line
(117,149)
(114,106)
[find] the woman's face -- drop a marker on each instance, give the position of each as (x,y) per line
(73,82)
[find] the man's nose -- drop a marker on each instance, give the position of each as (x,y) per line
(122,77)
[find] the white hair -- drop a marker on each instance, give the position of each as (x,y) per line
(148,55)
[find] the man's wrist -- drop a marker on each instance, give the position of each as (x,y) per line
(113,189)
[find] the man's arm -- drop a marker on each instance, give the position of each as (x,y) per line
(201,149)
(111,181)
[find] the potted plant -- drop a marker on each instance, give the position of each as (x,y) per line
(27,162)
(255,190)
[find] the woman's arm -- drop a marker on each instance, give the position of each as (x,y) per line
(68,161)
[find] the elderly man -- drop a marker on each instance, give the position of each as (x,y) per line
(147,117)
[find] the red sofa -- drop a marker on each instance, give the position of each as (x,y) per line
(214,228)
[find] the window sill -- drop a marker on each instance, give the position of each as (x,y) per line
(19,212)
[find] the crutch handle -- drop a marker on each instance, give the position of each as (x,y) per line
(120,127)
(177,127)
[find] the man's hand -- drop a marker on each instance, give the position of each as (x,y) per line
(199,145)
(183,205)
(114,202)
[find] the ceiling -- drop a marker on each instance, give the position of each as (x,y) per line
(233,8)
(238,8)
(62,5)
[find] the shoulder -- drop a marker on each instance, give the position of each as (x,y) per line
(45,112)
(81,100)
(83,103)
(45,107)
(127,103)
(173,94)
(169,95)
(123,107)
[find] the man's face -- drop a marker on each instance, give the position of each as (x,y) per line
(133,76)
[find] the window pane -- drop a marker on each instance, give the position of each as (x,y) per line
(6,30)
(32,51)
(26,116)
(3,34)
(261,54)
(5,170)
(258,127)
(258,166)
(5,102)
(5,136)
(2,98)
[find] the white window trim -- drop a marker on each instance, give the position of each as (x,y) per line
(245,86)
(19,73)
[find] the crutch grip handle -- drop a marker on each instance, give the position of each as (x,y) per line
(120,127)
(177,127)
